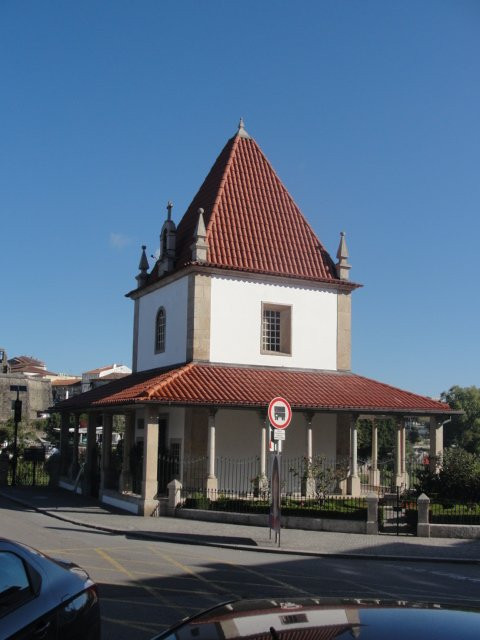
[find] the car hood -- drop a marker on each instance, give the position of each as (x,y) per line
(325,618)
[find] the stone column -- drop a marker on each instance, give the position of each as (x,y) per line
(374,474)
(150,463)
(403,460)
(212,481)
(353,480)
(342,451)
(128,437)
(64,438)
(400,475)
(262,477)
(372,513)
(308,482)
(436,444)
(76,437)
(308,419)
(91,463)
(106,450)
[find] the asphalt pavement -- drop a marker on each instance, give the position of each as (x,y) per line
(87,512)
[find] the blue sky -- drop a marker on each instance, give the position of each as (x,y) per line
(368,111)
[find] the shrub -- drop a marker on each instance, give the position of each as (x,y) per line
(458,479)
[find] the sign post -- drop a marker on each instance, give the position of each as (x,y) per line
(279,416)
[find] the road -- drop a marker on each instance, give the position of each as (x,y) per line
(146,586)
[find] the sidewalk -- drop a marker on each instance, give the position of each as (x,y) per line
(86,512)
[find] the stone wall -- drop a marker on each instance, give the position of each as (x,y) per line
(37,398)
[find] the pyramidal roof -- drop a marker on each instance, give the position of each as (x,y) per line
(252,222)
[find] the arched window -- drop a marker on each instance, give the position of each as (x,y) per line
(160,328)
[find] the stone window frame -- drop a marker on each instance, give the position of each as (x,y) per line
(160,330)
(284,312)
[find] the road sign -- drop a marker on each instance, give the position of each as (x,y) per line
(278,434)
(279,413)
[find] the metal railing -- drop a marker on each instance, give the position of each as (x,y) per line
(335,507)
(446,512)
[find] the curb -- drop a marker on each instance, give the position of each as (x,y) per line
(185,539)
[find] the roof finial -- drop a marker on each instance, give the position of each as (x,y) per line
(143,266)
(169,209)
(342,254)
(200,245)
(241,129)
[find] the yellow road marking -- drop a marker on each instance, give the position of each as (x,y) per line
(151,590)
(122,569)
(264,576)
(190,571)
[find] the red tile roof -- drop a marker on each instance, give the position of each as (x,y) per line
(251,220)
(65,382)
(100,369)
(230,386)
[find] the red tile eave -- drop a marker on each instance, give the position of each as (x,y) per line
(179,386)
(296,407)
(343,284)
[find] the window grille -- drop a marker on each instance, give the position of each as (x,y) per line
(271,330)
(160,329)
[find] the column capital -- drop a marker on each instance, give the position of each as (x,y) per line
(309,415)
(263,415)
(212,411)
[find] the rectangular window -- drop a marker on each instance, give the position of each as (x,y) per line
(276,329)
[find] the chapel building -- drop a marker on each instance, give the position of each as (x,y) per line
(244,304)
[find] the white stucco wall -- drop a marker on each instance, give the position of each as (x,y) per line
(238,435)
(236,323)
(173,297)
(176,423)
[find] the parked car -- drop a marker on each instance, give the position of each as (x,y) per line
(44,598)
(296,619)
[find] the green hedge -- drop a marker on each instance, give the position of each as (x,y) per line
(347,509)
(449,513)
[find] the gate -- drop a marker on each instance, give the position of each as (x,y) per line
(397,514)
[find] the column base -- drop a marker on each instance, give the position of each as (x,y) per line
(374,477)
(212,487)
(260,485)
(401,480)
(149,490)
(353,486)
(308,488)
(147,507)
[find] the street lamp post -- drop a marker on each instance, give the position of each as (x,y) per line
(17,417)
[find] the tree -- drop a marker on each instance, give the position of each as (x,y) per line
(385,438)
(52,427)
(464,430)
(6,431)
(458,479)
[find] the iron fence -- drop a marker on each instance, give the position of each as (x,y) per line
(243,476)
(29,473)
(385,480)
(335,507)
(454,512)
